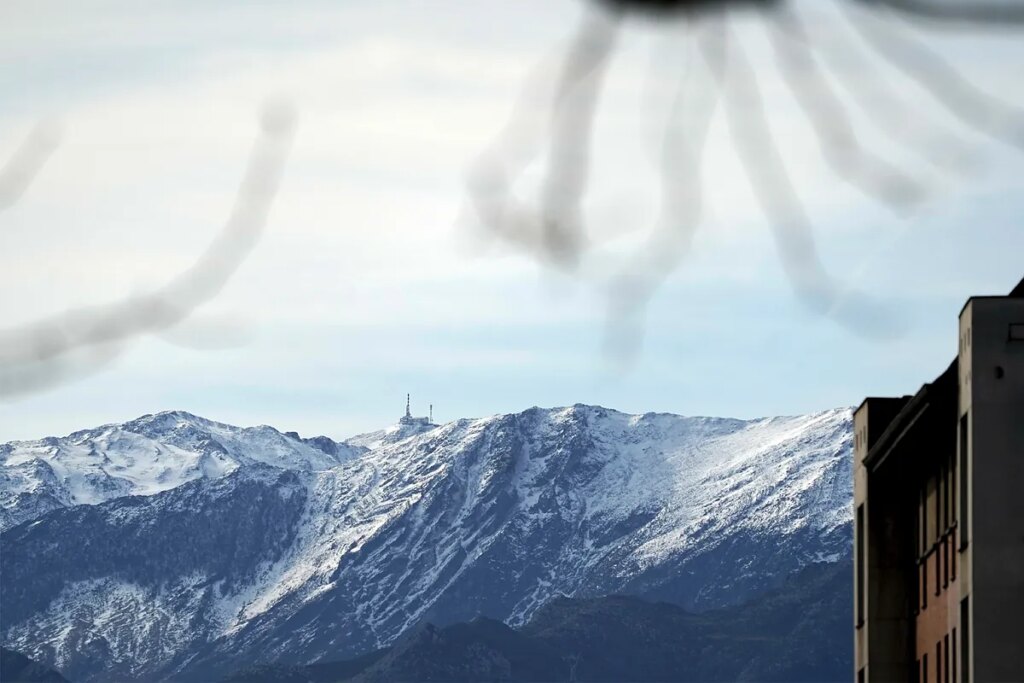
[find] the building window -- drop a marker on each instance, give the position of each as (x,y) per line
(948,492)
(952,555)
(945,562)
(923,510)
(952,489)
(861,561)
(965,484)
(861,676)
(945,662)
(924,667)
(940,502)
(965,640)
(942,484)
(924,584)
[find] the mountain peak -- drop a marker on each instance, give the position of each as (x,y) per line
(166,420)
(400,431)
(145,456)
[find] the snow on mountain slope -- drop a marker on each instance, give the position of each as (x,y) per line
(389,435)
(493,516)
(145,456)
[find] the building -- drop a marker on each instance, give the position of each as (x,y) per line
(939,514)
(408,419)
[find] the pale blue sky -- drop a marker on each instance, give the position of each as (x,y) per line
(370,283)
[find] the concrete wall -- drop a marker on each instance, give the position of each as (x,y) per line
(860,494)
(882,643)
(992,395)
(889,542)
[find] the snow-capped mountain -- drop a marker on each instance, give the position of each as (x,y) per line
(145,456)
(390,435)
(301,559)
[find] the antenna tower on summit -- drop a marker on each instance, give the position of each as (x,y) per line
(408,419)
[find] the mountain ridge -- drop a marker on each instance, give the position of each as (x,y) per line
(486,517)
(615,638)
(146,455)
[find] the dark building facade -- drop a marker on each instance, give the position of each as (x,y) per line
(939,514)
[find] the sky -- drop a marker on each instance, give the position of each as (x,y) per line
(373,279)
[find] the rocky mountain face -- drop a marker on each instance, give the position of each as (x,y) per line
(800,632)
(280,551)
(17,668)
(145,456)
